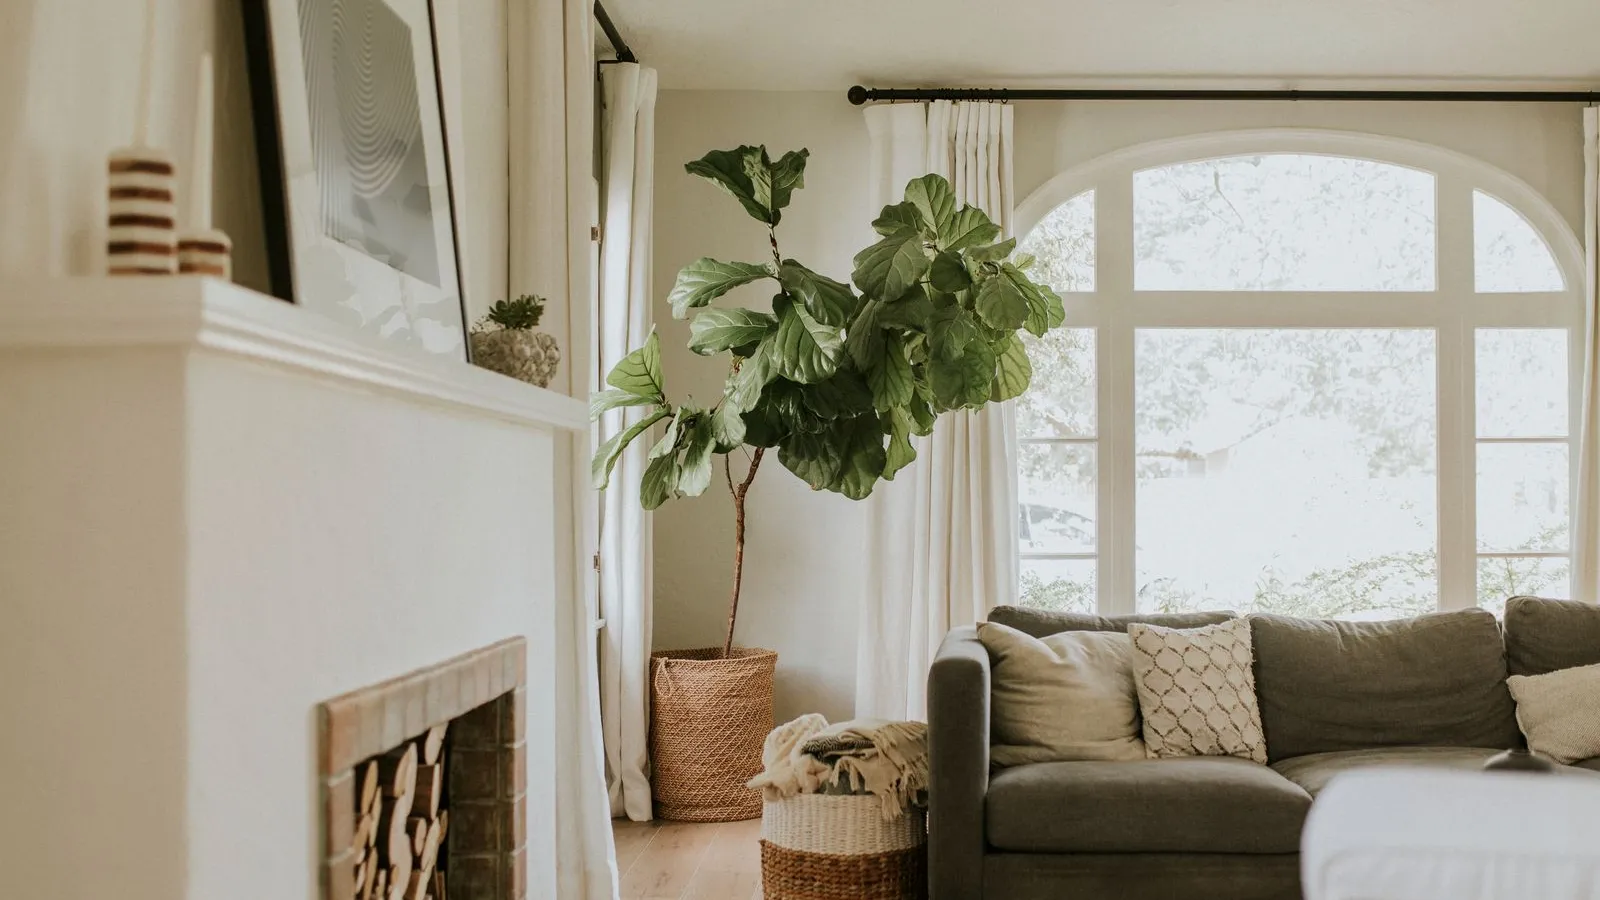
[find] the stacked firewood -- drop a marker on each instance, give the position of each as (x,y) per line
(399,825)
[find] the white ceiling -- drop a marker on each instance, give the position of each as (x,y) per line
(832,44)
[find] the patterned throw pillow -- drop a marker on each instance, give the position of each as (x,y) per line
(1197,692)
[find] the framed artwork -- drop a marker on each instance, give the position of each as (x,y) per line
(355,167)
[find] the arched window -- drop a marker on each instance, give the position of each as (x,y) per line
(1304,372)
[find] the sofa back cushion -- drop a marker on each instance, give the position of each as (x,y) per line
(1043,623)
(1434,681)
(1543,636)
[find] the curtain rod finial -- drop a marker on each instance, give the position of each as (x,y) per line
(857,95)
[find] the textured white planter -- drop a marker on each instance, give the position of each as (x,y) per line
(523,354)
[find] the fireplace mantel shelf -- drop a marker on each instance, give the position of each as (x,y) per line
(205,313)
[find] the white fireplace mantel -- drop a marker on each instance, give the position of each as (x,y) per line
(216,511)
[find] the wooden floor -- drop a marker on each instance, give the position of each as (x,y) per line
(688,861)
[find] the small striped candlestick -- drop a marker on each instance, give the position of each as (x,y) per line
(203,250)
(208,252)
(141,236)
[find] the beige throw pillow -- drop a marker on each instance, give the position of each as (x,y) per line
(1066,696)
(1559,712)
(1197,691)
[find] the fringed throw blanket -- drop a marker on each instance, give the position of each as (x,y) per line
(862,756)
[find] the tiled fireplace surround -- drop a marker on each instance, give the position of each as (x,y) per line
(482,695)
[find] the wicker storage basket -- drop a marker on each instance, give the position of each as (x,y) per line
(839,847)
(708,718)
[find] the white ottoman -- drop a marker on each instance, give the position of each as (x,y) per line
(1435,835)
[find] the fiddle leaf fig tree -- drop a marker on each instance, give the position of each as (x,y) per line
(836,377)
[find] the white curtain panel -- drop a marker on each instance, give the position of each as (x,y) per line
(624,320)
(1586,537)
(943,534)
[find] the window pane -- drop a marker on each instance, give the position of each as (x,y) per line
(1286,470)
(1522,382)
(1061,584)
(1060,400)
(1283,222)
(1508,255)
(1058,498)
(1063,244)
(1500,578)
(1522,497)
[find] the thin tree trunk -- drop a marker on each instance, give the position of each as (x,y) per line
(739,492)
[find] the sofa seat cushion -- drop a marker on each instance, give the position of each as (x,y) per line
(1190,805)
(1315,771)
(1592,764)
(1433,681)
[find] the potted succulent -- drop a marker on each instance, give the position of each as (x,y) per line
(835,379)
(504,341)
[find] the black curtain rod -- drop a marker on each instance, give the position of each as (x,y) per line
(613,36)
(859,95)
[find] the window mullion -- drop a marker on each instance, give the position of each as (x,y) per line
(1114,278)
(1457,480)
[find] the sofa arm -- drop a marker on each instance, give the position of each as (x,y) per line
(958,759)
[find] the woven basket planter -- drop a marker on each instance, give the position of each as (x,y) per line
(839,847)
(708,718)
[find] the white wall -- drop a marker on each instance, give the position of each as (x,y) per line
(69,75)
(805,566)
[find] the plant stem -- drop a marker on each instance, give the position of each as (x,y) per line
(772,238)
(739,492)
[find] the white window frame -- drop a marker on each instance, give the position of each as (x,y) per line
(1454,309)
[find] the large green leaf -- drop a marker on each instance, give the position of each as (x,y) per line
(863,340)
(639,373)
(717,329)
(694,476)
(706,279)
(727,427)
(660,481)
(934,200)
(992,252)
(1045,309)
(915,310)
(728,169)
(900,453)
(923,417)
(891,381)
(762,428)
(844,395)
(950,330)
(963,381)
(1001,303)
(744,386)
(969,227)
(803,350)
(788,176)
(887,270)
(605,459)
(899,217)
(602,402)
(948,273)
(814,458)
(1013,369)
(829,302)
(861,458)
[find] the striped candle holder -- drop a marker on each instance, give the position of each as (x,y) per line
(141,235)
(205,251)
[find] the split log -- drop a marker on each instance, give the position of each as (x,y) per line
(369,788)
(433,745)
(430,788)
(361,875)
(380,886)
(400,876)
(438,885)
(418,887)
(444,824)
(366,831)
(418,828)
(430,845)
(397,770)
